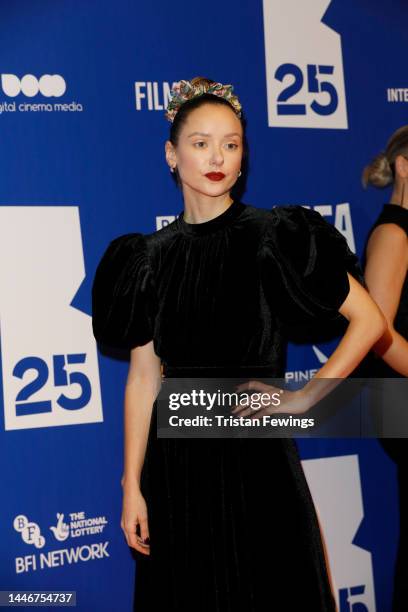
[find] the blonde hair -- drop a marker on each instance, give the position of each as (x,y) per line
(380,172)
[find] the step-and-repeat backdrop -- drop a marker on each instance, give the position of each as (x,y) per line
(83,88)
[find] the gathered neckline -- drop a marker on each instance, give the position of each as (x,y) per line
(205,227)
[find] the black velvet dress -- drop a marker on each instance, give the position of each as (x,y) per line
(232,522)
(397,448)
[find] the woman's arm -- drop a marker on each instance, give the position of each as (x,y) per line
(386,269)
(142,387)
(366,325)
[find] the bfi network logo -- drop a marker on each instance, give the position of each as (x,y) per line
(48,85)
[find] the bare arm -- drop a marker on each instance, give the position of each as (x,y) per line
(142,387)
(366,325)
(386,268)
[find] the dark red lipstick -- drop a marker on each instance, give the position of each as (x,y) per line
(215,176)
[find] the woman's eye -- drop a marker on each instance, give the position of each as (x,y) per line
(200,144)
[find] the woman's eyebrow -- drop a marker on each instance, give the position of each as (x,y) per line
(197,134)
(204,134)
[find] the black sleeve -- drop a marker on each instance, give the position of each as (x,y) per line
(304,262)
(123,295)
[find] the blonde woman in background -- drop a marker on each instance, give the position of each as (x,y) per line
(387,280)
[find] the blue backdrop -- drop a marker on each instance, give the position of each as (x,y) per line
(82,98)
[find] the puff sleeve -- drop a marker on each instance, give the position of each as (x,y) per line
(304,262)
(123,295)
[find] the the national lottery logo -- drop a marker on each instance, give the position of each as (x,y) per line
(304,66)
(76,525)
(49,362)
(61,529)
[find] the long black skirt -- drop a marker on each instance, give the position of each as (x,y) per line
(232,527)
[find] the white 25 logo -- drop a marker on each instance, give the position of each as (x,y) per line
(304,66)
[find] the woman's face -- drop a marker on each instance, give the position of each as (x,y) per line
(210,141)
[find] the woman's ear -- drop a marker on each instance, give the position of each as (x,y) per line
(401,166)
(170,154)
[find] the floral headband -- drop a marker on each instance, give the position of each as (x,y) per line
(185,90)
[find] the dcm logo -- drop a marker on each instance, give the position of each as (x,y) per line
(304,66)
(49,85)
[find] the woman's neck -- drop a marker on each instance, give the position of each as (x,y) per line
(399,195)
(199,210)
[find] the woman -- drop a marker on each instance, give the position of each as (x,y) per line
(225,524)
(387,280)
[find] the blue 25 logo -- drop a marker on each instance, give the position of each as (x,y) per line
(314,85)
(61,378)
(349,606)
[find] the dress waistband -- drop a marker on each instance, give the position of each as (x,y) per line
(231,371)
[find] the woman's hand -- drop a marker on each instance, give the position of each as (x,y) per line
(134,518)
(270,400)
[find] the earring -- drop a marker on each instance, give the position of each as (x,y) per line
(172,168)
(239,173)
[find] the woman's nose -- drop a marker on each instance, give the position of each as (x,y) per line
(217,157)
